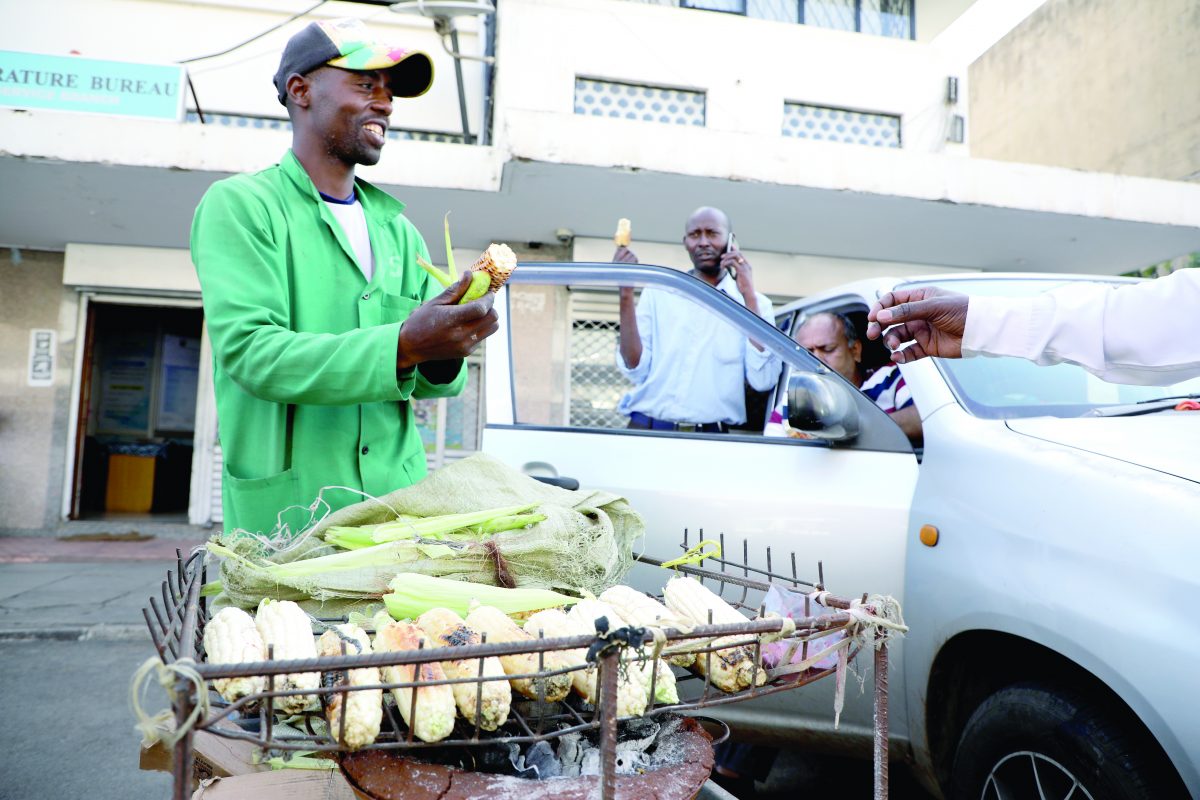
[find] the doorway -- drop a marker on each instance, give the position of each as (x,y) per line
(136,412)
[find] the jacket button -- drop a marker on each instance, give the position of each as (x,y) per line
(367,295)
(365,449)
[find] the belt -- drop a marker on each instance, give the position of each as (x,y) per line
(641,421)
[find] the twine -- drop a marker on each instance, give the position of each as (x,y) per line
(152,728)
(695,555)
(280,539)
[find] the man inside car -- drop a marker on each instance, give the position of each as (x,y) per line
(834,340)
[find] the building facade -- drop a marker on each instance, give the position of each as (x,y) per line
(832,131)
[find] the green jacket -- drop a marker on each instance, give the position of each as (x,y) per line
(304,349)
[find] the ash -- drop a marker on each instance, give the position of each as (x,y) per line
(642,745)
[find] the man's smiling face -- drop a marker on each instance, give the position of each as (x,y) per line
(350,111)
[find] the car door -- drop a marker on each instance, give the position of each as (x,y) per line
(551,389)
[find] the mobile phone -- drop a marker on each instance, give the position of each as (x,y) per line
(730,246)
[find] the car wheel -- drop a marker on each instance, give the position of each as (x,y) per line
(1034,741)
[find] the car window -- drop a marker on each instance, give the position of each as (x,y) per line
(567,368)
(1008,388)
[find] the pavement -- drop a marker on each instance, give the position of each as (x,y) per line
(75,589)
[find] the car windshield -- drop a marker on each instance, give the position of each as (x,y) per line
(1007,388)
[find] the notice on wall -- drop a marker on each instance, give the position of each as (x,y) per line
(41,357)
(71,83)
(178,381)
(126,376)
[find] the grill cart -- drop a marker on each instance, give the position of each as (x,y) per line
(578,749)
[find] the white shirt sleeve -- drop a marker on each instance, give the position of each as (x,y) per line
(645,314)
(1142,333)
(762,366)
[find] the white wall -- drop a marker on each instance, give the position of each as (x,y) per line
(747,67)
(168,31)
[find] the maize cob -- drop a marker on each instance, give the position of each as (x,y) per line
(624,233)
(632,688)
(413,594)
(500,628)
(285,627)
(552,623)
(659,674)
(363,707)
(488,274)
(231,638)
(494,697)
(730,669)
(434,705)
(644,611)
(498,261)
(664,684)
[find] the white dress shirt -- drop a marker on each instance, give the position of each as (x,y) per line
(693,364)
(1141,333)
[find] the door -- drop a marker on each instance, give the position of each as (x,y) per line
(844,505)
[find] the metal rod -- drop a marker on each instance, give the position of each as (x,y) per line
(462,92)
(154,637)
(609,665)
(479,689)
(412,699)
(881,719)
(181,768)
(341,738)
(191,608)
(270,704)
(541,684)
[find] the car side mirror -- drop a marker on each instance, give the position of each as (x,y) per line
(821,405)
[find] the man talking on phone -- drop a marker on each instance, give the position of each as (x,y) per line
(689,374)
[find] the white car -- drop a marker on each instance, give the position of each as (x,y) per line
(1054,643)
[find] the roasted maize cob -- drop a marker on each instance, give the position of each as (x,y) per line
(624,233)
(498,261)
(363,707)
(231,638)
(433,706)
(500,628)
(631,686)
(642,610)
(286,628)
(646,667)
(730,669)
(447,629)
(552,623)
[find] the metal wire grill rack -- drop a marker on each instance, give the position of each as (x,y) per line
(177,624)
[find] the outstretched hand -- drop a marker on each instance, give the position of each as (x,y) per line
(932,319)
(441,329)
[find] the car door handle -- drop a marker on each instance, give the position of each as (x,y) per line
(562,483)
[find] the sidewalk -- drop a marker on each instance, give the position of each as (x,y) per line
(56,589)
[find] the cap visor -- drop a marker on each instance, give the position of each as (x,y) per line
(410,71)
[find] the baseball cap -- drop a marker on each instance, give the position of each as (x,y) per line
(347,44)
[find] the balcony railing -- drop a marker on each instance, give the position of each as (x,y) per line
(892,18)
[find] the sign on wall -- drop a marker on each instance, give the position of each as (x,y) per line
(70,83)
(41,357)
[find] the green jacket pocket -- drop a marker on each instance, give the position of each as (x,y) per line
(260,505)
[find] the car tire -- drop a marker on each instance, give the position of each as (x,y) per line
(1031,738)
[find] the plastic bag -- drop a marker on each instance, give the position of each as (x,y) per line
(791,604)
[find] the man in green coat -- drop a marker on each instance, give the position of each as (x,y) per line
(323,327)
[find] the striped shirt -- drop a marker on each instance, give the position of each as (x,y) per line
(887,388)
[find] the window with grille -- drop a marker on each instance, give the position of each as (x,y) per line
(601,98)
(823,123)
(892,18)
(597,385)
